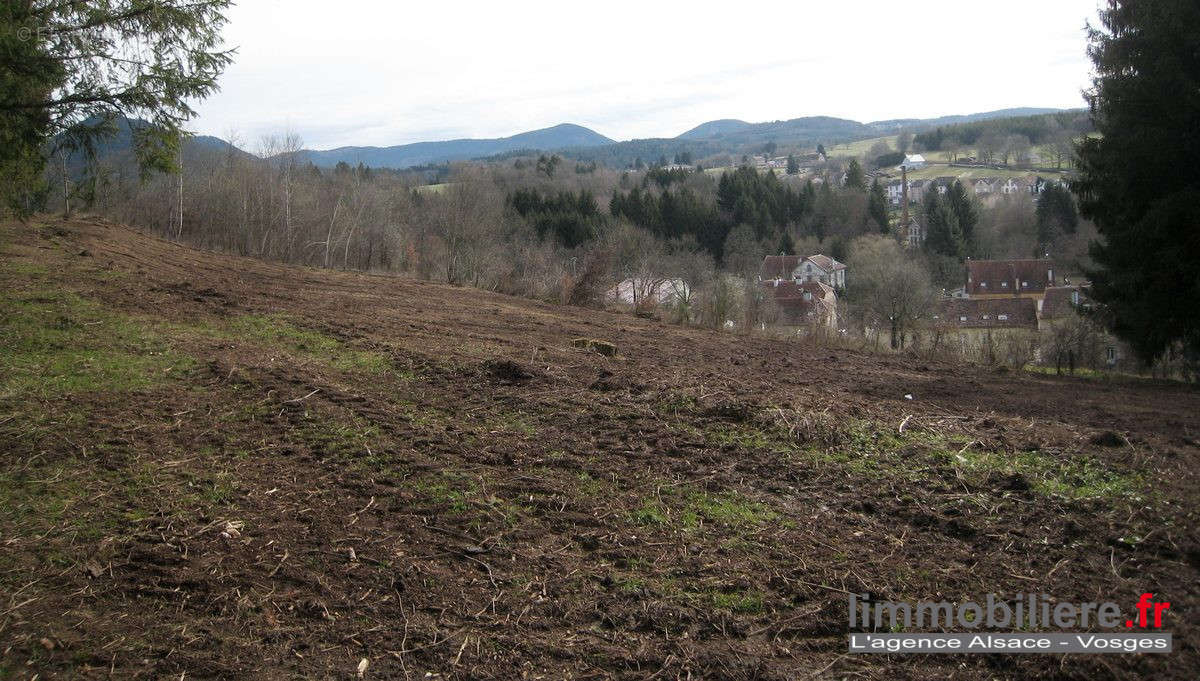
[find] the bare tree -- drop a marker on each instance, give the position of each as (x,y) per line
(890,287)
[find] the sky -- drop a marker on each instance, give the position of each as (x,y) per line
(359,73)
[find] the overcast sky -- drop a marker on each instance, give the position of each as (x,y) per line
(354,72)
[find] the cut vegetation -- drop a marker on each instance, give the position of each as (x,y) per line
(220,468)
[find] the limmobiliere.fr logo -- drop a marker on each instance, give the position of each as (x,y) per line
(930,626)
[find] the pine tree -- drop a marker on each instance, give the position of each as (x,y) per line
(854,176)
(793,166)
(787,245)
(965,211)
(68,70)
(1139,180)
(877,206)
(1056,215)
(942,233)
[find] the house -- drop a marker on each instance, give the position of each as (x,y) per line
(943,183)
(1016,185)
(639,290)
(814,268)
(895,191)
(1040,183)
(913,162)
(1060,302)
(808,303)
(823,269)
(988,328)
(1009,278)
(914,235)
(987,313)
(986,185)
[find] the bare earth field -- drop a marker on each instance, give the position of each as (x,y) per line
(217,468)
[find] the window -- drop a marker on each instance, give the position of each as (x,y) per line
(983,284)
(1004,284)
(1024,284)
(986,317)
(1074,297)
(962,319)
(1002,317)
(1111,353)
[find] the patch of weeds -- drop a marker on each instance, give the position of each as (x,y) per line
(59,343)
(728,509)
(674,404)
(1071,477)
(37,499)
(22,268)
(739,601)
(649,513)
(351,439)
(448,488)
(279,332)
(512,422)
(691,510)
(592,487)
(742,437)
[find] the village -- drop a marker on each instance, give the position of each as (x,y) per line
(1021,311)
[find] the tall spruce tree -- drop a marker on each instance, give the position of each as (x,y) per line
(854,176)
(965,211)
(1056,215)
(877,206)
(942,233)
(68,70)
(1139,180)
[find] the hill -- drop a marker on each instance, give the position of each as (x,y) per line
(914,124)
(118,148)
(224,468)
(422,153)
(715,129)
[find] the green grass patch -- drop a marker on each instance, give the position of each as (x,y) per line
(745,602)
(691,510)
(280,332)
(1078,477)
(57,343)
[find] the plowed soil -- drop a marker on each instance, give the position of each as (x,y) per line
(217,468)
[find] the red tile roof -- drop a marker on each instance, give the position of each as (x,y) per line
(794,308)
(778,266)
(987,313)
(1009,276)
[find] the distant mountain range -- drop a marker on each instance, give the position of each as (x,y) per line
(725,136)
(720,136)
(424,153)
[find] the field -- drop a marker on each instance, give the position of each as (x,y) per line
(219,468)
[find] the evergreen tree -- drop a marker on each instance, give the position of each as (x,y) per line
(942,233)
(965,211)
(854,176)
(877,205)
(793,166)
(68,70)
(821,149)
(1139,180)
(1056,215)
(787,245)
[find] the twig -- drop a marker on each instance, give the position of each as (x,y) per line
(301,399)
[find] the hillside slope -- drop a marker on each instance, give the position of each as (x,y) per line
(421,153)
(223,468)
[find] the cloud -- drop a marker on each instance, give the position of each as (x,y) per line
(384,74)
